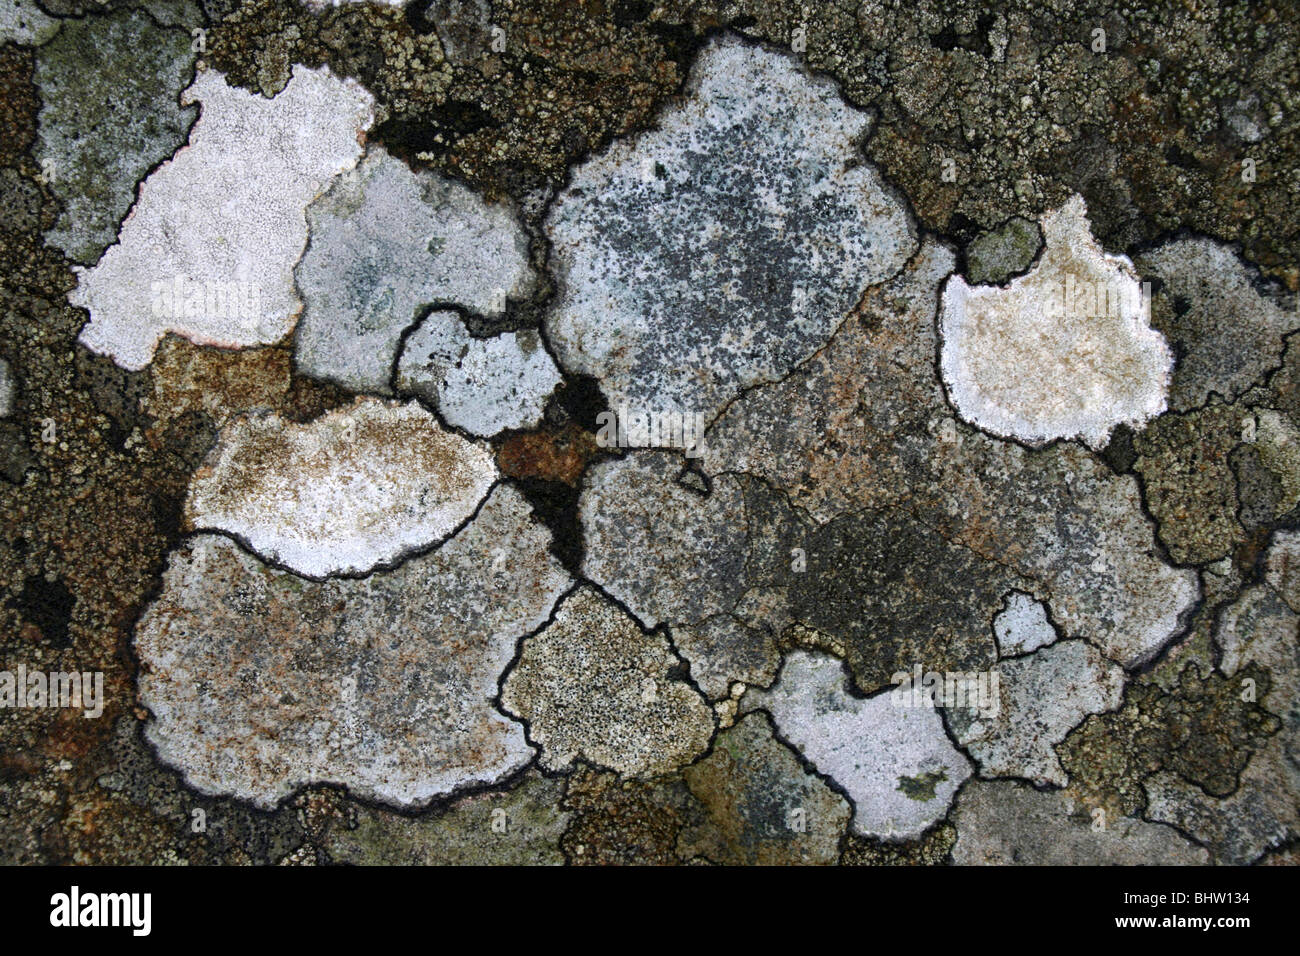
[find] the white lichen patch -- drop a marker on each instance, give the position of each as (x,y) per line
(209,248)
(1043,696)
(1064,351)
(259,682)
(724,246)
(1022,625)
(594,686)
(894,761)
(385,241)
(481,385)
(358,487)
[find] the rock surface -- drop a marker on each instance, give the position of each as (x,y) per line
(725,245)
(356,488)
(259,682)
(208,251)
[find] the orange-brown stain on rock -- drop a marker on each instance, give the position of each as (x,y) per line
(549,455)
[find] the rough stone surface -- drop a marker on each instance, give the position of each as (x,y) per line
(764,808)
(1008,823)
(894,762)
(356,488)
(689,549)
(1185,465)
(725,245)
(481,385)
(864,425)
(982,119)
(22,21)
(1263,811)
(384,242)
(1226,332)
(259,682)
(593,686)
(225,216)
(517,827)
(1044,696)
(995,256)
(6,389)
(724,651)
(110,113)
(1035,362)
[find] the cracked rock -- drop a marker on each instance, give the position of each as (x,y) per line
(593,686)
(385,241)
(864,425)
(358,487)
(895,762)
(725,245)
(209,248)
(1263,812)
(667,552)
(260,682)
(1065,351)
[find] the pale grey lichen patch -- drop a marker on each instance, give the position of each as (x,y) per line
(593,686)
(864,425)
(1065,351)
(259,682)
(357,487)
(894,761)
(1022,625)
(384,241)
(1228,335)
(724,246)
(22,21)
(1044,696)
(110,112)
(1004,823)
(763,807)
(208,251)
(481,385)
